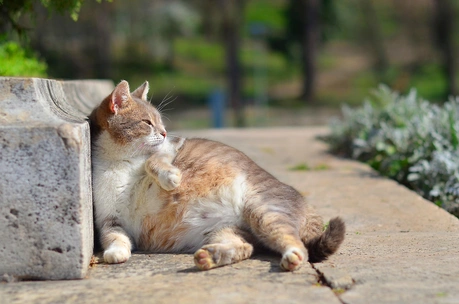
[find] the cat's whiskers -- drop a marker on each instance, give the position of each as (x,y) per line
(171,135)
(165,116)
(165,99)
(162,105)
(134,151)
(168,109)
(139,149)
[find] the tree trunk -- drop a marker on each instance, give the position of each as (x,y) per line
(4,18)
(375,37)
(232,19)
(444,25)
(103,47)
(309,45)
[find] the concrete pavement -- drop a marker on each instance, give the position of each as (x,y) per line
(399,248)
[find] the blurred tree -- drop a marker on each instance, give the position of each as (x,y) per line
(372,34)
(304,28)
(309,22)
(113,40)
(102,49)
(211,18)
(150,28)
(13,14)
(310,44)
(232,11)
(444,30)
(76,49)
(12,10)
(173,19)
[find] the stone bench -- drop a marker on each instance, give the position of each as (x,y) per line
(46,222)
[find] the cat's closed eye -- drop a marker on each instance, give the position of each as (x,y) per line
(148,122)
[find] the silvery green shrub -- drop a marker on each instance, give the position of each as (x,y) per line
(405,138)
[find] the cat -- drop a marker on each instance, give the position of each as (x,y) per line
(158,193)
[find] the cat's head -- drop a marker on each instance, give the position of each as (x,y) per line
(129,119)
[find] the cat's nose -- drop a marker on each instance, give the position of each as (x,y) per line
(164,133)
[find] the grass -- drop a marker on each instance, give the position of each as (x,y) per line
(306,167)
(267,13)
(300,167)
(339,291)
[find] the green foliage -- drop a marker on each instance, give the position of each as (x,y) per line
(62,6)
(12,10)
(405,138)
(178,82)
(267,13)
(209,55)
(431,81)
(15,61)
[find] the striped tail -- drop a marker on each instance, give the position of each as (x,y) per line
(324,245)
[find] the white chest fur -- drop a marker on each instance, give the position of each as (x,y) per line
(118,178)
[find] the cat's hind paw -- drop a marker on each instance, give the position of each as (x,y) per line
(204,259)
(170,179)
(292,259)
(116,255)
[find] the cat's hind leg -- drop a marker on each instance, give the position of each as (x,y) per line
(115,242)
(226,246)
(277,231)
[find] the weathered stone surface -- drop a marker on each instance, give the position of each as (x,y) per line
(84,95)
(46,227)
(171,278)
(399,248)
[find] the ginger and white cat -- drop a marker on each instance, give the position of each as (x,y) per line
(161,194)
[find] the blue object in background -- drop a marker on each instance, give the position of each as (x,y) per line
(217,107)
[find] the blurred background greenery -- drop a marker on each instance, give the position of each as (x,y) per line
(278,62)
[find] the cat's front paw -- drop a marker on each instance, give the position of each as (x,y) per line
(116,254)
(170,179)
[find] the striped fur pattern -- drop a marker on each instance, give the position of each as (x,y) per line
(156,193)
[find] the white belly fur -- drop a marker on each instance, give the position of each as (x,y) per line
(127,193)
(220,209)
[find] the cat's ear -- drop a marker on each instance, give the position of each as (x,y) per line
(142,91)
(120,96)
